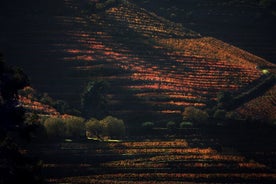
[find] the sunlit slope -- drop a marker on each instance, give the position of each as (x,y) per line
(158,62)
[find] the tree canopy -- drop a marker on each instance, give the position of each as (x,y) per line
(94,100)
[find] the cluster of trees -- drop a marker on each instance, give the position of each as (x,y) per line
(78,128)
(148,127)
(207,117)
(109,126)
(220,116)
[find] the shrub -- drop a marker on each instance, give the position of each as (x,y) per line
(148,124)
(147,127)
(195,115)
(54,127)
(113,126)
(75,127)
(94,127)
(185,124)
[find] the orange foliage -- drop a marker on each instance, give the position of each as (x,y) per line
(36,106)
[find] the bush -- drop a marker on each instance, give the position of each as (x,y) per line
(195,115)
(185,124)
(75,127)
(94,127)
(55,127)
(113,126)
(148,125)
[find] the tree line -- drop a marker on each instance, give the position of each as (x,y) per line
(73,127)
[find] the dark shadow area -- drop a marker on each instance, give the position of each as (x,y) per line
(253,140)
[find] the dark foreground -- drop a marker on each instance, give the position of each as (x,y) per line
(247,157)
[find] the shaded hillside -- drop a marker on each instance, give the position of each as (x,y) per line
(153,66)
(247,24)
(263,108)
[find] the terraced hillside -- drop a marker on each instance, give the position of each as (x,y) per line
(247,24)
(153,66)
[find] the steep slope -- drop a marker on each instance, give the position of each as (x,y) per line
(262,108)
(247,24)
(153,66)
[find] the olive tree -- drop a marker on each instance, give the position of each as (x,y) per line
(195,115)
(55,127)
(75,127)
(94,127)
(113,126)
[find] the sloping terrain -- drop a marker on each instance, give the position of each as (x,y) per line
(262,108)
(153,66)
(247,24)
(155,161)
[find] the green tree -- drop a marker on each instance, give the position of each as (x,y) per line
(94,100)
(113,126)
(195,115)
(185,124)
(55,128)
(148,124)
(75,127)
(94,128)
(147,127)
